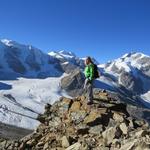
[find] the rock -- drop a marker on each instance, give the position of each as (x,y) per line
(92,117)
(65,105)
(91,141)
(65,142)
(78,116)
(112,123)
(124,128)
(141,133)
(55,122)
(104,96)
(117,117)
(128,145)
(75,106)
(70,130)
(41,118)
(102,110)
(3,144)
(40,143)
(82,98)
(73,83)
(136,144)
(82,129)
(118,133)
(109,135)
(22,146)
(46,146)
(75,146)
(31,142)
(96,129)
(47,108)
(141,145)
(50,137)
(139,123)
(68,67)
(8,144)
(116,144)
(101,148)
(131,125)
(130,82)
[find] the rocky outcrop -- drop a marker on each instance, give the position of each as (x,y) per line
(71,124)
(73,83)
(68,67)
(133,84)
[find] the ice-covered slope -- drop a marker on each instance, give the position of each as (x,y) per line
(27,97)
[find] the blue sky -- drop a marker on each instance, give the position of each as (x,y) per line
(104,29)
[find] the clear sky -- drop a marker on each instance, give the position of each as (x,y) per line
(104,29)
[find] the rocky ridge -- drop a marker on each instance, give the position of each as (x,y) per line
(70,124)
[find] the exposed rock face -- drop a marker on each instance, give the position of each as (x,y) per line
(12,58)
(130,82)
(68,67)
(73,83)
(70,124)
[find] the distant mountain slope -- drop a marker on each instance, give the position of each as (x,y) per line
(24,60)
(130,72)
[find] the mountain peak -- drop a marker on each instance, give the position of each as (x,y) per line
(134,55)
(67,52)
(6,42)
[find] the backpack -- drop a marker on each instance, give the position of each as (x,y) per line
(96,72)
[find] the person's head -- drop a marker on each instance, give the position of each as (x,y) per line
(88,60)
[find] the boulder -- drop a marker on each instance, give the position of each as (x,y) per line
(118,117)
(98,129)
(109,135)
(124,128)
(65,142)
(78,116)
(75,106)
(75,146)
(92,118)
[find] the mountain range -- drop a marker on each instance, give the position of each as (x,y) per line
(30,78)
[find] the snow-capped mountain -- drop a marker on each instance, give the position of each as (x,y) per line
(26,60)
(132,72)
(30,78)
(69,57)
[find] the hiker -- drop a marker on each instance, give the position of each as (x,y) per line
(91,73)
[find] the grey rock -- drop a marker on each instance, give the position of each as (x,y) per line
(73,83)
(109,135)
(96,129)
(78,116)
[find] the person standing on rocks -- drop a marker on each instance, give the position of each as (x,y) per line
(89,77)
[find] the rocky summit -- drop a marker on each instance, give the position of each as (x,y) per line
(71,124)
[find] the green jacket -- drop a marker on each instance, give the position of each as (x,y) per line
(89,71)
